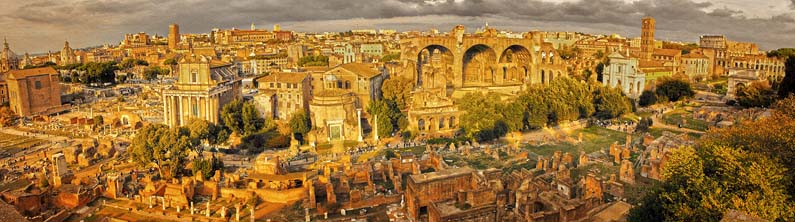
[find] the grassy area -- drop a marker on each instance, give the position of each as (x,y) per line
(602,170)
(593,139)
(417,150)
(657,132)
(683,117)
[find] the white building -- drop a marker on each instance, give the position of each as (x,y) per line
(623,72)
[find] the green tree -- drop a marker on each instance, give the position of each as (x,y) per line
(758,94)
(318,60)
(482,118)
(674,89)
(388,116)
(647,98)
(699,185)
(782,53)
(787,86)
(252,119)
(390,57)
(232,116)
(610,103)
(399,90)
(207,167)
(300,124)
(243,118)
(129,63)
(162,147)
(170,62)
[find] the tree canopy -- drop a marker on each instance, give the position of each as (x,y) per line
(758,94)
(744,167)
(399,90)
(243,118)
(610,103)
(787,86)
(300,123)
(319,60)
(389,116)
(162,147)
(674,89)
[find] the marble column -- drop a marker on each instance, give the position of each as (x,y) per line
(375,125)
(207,213)
(359,122)
(180,113)
(237,212)
(165,109)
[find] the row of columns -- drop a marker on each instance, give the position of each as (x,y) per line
(177,107)
(449,123)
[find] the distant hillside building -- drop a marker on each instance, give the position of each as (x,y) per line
(8,59)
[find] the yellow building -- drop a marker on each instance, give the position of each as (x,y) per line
(203,87)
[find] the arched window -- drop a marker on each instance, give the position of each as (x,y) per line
(451,123)
(339,84)
(347,84)
(441,123)
(542,77)
(421,124)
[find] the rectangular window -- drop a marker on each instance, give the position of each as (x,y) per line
(38,84)
(194,77)
(271,85)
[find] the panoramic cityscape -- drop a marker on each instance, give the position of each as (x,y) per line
(397,110)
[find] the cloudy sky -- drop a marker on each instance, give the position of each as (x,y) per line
(41,25)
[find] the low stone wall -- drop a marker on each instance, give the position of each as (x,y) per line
(236,193)
(282,196)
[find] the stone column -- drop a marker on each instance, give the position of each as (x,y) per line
(181,112)
(191,208)
(164,203)
(237,212)
(207,108)
(359,122)
(207,213)
(375,125)
(223,211)
(252,214)
(165,109)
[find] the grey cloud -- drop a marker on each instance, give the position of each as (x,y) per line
(677,19)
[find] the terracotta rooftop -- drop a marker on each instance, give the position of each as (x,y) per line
(361,69)
(24,73)
(667,52)
(286,77)
(695,55)
(650,64)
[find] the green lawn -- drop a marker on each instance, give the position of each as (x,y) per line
(594,139)
(603,170)
(657,132)
(684,117)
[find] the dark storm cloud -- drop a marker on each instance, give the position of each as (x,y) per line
(104,21)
